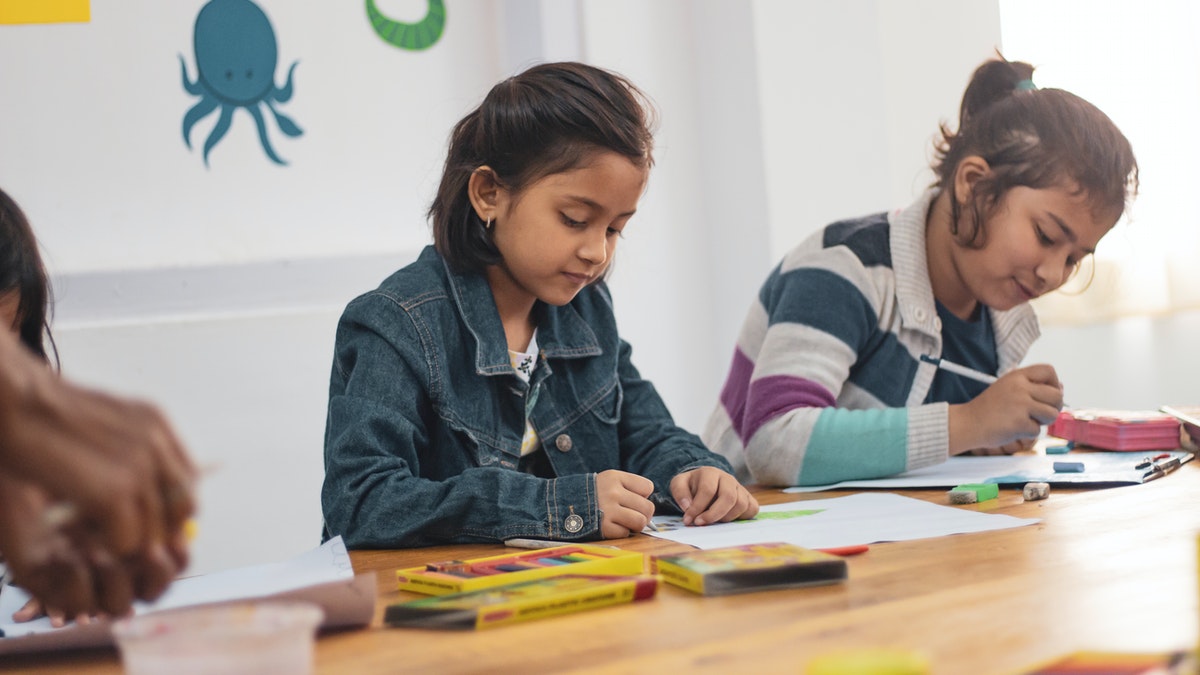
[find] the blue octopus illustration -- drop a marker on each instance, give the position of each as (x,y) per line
(236,55)
(412,36)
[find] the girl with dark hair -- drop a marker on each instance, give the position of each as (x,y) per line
(24,311)
(483,393)
(24,286)
(848,364)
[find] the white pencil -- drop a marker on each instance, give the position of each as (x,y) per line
(952,367)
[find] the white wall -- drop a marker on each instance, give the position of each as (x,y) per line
(95,114)
(852,94)
(1136,363)
(215,291)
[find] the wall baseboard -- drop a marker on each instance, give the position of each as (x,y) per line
(204,293)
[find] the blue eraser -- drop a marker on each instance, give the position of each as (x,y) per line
(1068,467)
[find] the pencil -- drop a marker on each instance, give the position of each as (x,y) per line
(952,367)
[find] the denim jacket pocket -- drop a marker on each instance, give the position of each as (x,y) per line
(608,408)
(482,446)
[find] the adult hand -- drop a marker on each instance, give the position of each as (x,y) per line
(709,495)
(117,461)
(113,472)
(624,502)
(1012,408)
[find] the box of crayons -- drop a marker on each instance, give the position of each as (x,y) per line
(1120,430)
(752,567)
(524,601)
(457,576)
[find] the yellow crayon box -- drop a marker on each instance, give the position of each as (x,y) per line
(753,567)
(524,601)
(458,576)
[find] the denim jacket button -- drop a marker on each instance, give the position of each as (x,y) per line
(573,523)
(563,443)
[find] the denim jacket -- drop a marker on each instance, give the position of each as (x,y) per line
(426,417)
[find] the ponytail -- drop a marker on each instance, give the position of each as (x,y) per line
(1037,138)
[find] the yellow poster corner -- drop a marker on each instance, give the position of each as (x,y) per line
(45,11)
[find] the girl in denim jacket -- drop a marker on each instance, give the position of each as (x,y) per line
(483,392)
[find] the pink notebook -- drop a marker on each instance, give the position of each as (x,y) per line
(1123,430)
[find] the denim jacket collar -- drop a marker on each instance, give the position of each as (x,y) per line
(562,333)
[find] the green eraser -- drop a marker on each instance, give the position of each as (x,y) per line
(983,491)
(1058,449)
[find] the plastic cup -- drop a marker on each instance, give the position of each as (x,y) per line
(231,639)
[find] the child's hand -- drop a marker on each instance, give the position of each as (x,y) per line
(625,502)
(1014,407)
(709,495)
(34,610)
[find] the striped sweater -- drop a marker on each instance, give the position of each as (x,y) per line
(826,383)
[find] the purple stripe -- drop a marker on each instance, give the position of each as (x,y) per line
(733,394)
(773,396)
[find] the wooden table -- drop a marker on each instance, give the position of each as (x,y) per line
(1110,569)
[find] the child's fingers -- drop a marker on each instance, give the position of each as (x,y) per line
(744,505)
(718,497)
(702,486)
(1048,394)
(681,492)
(640,505)
(1042,413)
(1042,373)
(636,484)
(30,611)
(720,504)
(623,521)
(732,502)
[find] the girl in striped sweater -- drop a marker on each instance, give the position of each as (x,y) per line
(834,376)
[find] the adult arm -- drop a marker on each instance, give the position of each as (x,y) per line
(113,466)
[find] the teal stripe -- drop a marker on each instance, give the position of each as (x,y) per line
(855,444)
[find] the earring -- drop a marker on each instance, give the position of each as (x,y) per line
(488,224)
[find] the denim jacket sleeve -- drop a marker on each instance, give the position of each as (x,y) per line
(651,444)
(391,481)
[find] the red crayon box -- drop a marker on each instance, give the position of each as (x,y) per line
(1122,430)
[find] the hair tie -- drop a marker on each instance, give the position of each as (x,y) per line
(1026,85)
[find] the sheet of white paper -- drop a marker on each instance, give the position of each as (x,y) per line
(1099,469)
(864,518)
(323,575)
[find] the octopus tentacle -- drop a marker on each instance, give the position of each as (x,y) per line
(193,88)
(286,125)
(284,93)
(262,135)
(218,131)
(203,107)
